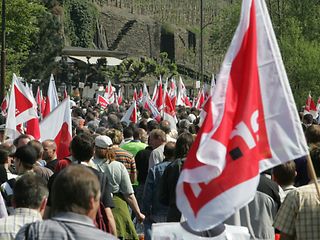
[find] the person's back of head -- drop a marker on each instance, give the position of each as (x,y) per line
(21,140)
(82,147)
(151,125)
(38,147)
(77,112)
(157,137)
(169,151)
(143,124)
(76,189)
(30,191)
(165,126)
(313,134)
(115,135)
(140,134)
(128,132)
(25,157)
(183,144)
(285,174)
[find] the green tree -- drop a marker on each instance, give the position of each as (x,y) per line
(21,26)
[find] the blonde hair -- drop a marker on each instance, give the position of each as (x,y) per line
(115,135)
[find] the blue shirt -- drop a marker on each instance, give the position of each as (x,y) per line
(150,203)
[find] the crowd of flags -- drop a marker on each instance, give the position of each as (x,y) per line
(244,119)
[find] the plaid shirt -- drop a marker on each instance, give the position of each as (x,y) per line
(127,160)
(299,214)
(10,225)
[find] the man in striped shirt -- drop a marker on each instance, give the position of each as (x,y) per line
(29,200)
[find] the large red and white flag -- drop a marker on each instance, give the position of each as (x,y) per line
(131,114)
(52,99)
(244,126)
(57,126)
(102,101)
(22,107)
(311,107)
(169,113)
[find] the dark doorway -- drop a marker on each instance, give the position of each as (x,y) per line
(167,44)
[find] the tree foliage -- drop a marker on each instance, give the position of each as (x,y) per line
(297,28)
(21,27)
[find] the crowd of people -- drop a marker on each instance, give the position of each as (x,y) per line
(119,181)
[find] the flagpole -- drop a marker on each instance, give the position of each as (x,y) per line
(313,174)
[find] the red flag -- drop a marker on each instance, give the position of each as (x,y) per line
(311,107)
(57,126)
(109,93)
(244,126)
(4,105)
(131,114)
(22,107)
(102,101)
(120,97)
(159,101)
(135,95)
(33,128)
(169,112)
(65,94)
(38,97)
(52,99)
(200,100)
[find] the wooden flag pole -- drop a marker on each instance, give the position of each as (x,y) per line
(313,174)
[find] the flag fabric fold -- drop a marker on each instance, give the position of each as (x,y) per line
(103,102)
(57,126)
(169,113)
(52,99)
(22,108)
(131,114)
(252,113)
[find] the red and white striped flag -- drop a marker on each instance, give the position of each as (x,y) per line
(131,114)
(57,126)
(22,107)
(244,126)
(52,99)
